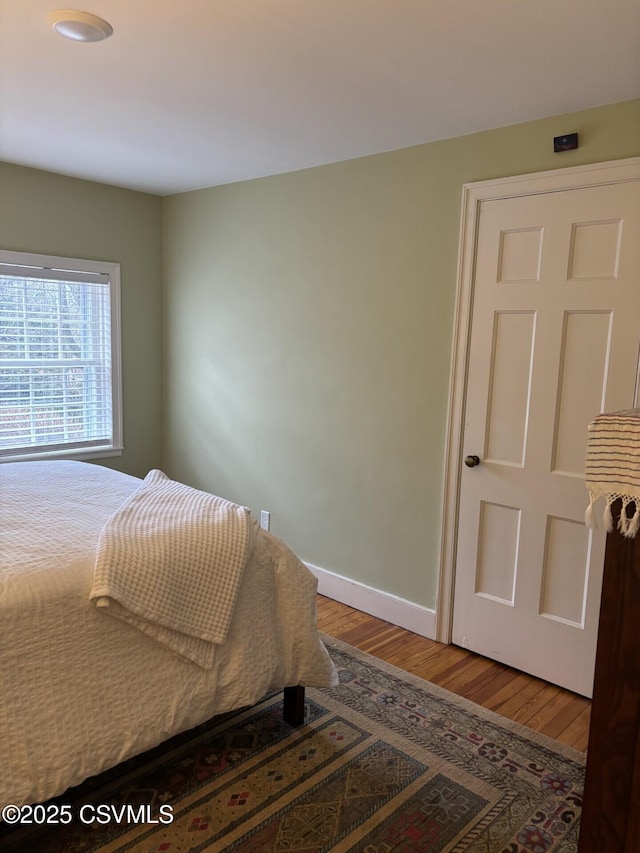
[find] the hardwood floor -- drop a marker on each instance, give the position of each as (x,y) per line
(543,707)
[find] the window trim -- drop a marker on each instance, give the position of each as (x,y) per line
(54,266)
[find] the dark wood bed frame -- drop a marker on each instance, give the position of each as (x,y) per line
(293,708)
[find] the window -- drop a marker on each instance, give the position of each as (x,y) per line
(60,386)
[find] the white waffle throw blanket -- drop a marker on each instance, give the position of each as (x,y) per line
(170,561)
(612,468)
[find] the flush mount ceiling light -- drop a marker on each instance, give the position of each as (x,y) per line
(79,26)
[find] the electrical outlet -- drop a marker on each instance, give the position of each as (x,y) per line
(265,519)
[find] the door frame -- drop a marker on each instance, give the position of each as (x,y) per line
(473,194)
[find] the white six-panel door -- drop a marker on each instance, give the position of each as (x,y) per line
(554,338)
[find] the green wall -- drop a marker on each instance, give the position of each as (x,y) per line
(308,332)
(307,324)
(52,214)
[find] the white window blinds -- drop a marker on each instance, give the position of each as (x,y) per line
(59,380)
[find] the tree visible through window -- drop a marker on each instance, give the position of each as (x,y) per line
(59,359)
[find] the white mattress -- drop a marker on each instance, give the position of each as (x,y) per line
(81,691)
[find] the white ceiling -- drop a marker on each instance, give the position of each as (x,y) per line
(194,93)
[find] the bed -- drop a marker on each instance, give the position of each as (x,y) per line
(80,690)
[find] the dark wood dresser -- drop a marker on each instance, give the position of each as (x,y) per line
(611,815)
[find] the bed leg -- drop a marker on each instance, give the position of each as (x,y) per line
(293,709)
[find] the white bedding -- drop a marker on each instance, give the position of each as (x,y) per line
(170,561)
(80,691)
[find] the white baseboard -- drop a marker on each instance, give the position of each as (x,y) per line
(414,617)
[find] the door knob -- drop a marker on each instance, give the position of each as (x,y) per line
(471,461)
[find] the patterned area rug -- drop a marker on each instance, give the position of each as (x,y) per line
(385,762)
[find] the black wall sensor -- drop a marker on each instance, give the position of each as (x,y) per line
(565,143)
